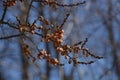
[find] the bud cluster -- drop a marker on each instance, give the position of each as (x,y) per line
(56,37)
(51,3)
(26,50)
(47,57)
(9,3)
(45,21)
(32,28)
(22,28)
(28,27)
(51,33)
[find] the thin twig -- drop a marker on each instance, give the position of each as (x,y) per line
(90,62)
(67,15)
(86,40)
(29,11)
(80,42)
(61,5)
(4,13)
(11,36)
(12,26)
(95,56)
(71,5)
(39,34)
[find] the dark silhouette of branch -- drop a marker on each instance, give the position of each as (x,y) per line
(86,40)
(61,5)
(71,5)
(7,23)
(80,42)
(64,21)
(90,62)
(95,56)
(4,13)
(12,26)
(11,36)
(29,11)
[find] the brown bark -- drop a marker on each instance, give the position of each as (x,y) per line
(109,27)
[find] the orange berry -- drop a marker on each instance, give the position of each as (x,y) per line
(59,49)
(46,22)
(33,32)
(41,18)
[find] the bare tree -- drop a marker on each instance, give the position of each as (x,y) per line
(40,36)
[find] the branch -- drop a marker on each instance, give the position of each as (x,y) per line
(28,11)
(12,26)
(86,40)
(90,62)
(39,34)
(4,13)
(61,5)
(71,5)
(11,36)
(3,22)
(80,42)
(95,56)
(67,15)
